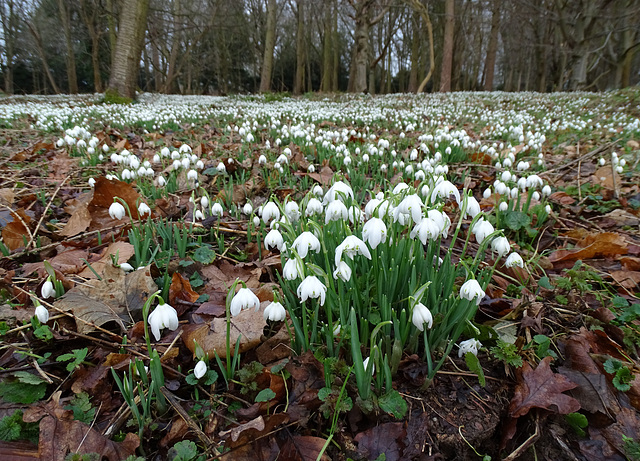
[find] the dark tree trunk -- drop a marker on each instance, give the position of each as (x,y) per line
(447,48)
(269,46)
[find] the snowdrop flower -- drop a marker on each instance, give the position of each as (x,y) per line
(262,160)
(374,232)
(143,209)
(339,191)
(42,314)
(399,188)
(487,192)
(411,205)
(336,211)
(548,209)
(163,316)
(546,191)
(198,215)
(513,260)
(314,206)
(441,219)
(273,239)
(503,206)
(192,175)
(305,242)
(247,208)
(221,168)
(535,195)
(92,182)
(126,267)
(317,190)
(292,210)
(270,211)
(117,211)
(275,312)
(47,290)
(444,190)
(204,201)
(282,159)
(506,175)
(351,246)
(501,246)
(602,161)
(470,345)
(312,287)
(244,299)
(471,290)
(473,207)
(105,148)
(291,269)
(426,229)
(200,370)
(342,272)
(216,210)
(365,364)
(161,181)
(421,315)
(482,229)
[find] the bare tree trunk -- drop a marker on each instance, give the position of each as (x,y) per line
(300,50)
(334,46)
(172,73)
(113,36)
(447,48)
(415,53)
(359,61)
(492,49)
(43,56)
(71,57)
(131,32)
(327,48)
(9,28)
(90,21)
(424,13)
(269,46)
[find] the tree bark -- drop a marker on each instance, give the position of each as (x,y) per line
(359,60)
(131,32)
(447,48)
(269,46)
(300,50)
(9,27)
(43,56)
(327,48)
(90,21)
(492,48)
(424,13)
(113,36)
(71,57)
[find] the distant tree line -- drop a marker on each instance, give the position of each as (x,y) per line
(375,46)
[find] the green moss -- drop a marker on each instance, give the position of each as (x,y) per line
(112,96)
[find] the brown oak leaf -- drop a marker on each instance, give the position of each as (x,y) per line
(542,388)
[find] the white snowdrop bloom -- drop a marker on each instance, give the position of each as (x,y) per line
(374,232)
(535,195)
(487,193)
(91,151)
(286,151)
(444,190)
(143,209)
(243,299)
(619,169)
(92,182)
(501,188)
(204,201)
(351,246)
(411,205)
(117,211)
(342,272)
(312,287)
(216,210)
(275,312)
(198,216)
(185,149)
(365,158)
(471,290)
(534,181)
(317,191)
(200,369)
(546,190)
(514,260)
(506,176)
(292,210)
(346,161)
(176,165)
(161,181)
(42,314)
(192,175)
(126,267)
(221,168)
(426,229)
(262,160)
(482,229)
(304,242)
(311,168)
(199,164)
(282,159)
(105,148)
(473,207)
(156,158)
(522,183)
(339,191)
(336,211)
(47,290)
(501,246)
(504,206)
(470,345)
(421,316)
(273,240)
(365,364)
(134,163)
(400,187)
(314,206)
(383,168)
(59,143)
(256,221)
(270,211)
(292,269)
(247,209)
(514,192)
(163,316)
(355,214)
(175,155)
(165,152)
(623,162)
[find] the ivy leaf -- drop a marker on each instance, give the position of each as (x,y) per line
(14,391)
(204,255)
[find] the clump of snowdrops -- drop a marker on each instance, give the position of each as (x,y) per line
(382,282)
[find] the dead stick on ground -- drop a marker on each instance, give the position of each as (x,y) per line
(579,172)
(595,151)
(44,213)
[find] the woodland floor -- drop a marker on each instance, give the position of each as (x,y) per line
(566,322)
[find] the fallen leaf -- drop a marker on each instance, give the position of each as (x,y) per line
(604,245)
(7,196)
(15,234)
(251,430)
(67,262)
(116,298)
(123,250)
(246,327)
(627,279)
(386,438)
(604,177)
(561,198)
(630,263)
(104,192)
(324,176)
(180,290)
(627,424)
(60,435)
(222,275)
(542,388)
(303,448)
(79,221)
(592,392)
(622,217)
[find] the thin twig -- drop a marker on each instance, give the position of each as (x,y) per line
(44,213)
